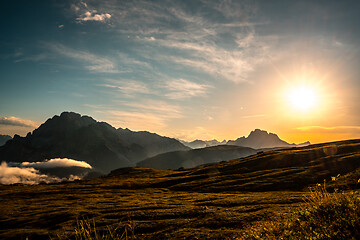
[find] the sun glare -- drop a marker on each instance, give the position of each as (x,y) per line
(302,98)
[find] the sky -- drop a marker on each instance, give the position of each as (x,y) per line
(184,69)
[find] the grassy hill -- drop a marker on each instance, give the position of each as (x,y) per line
(219,201)
(196,157)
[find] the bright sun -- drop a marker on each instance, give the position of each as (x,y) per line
(302,98)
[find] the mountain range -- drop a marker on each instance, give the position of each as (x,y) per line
(202,143)
(71,135)
(257,139)
(105,148)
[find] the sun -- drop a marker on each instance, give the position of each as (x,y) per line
(302,98)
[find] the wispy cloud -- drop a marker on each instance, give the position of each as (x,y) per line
(94,62)
(14,121)
(253,116)
(195,42)
(128,87)
(182,88)
(137,120)
(198,132)
(335,129)
(150,115)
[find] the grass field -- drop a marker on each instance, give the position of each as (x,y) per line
(221,201)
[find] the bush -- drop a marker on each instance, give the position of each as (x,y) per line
(87,230)
(326,216)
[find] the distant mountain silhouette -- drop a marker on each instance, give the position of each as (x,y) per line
(202,144)
(196,157)
(71,135)
(4,139)
(260,139)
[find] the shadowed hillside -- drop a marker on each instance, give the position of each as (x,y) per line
(193,158)
(4,139)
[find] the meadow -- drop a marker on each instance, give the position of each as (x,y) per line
(239,199)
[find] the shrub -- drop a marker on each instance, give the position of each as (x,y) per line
(87,230)
(325,216)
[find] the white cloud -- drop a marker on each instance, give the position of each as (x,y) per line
(11,175)
(182,88)
(14,121)
(88,13)
(56,162)
(93,16)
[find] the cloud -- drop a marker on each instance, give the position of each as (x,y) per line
(87,13)
(28,172)
(182,88)
(138,120)
(336,129)
(56,162)
(11,175)
(128,86)
(253,116)
(224,46)
(14,121)
(198,132)
(167,111)
(95,63)
(93,16)
(151,115)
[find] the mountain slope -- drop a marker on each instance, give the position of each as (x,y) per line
(4,139)
(79,137)
(195,157)
(260,139)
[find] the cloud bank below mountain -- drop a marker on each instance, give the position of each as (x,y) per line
(56,162)
(29,173)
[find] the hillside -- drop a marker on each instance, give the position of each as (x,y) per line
(4,139)
(71,135)
(195,157)
(219,201)
(286,169)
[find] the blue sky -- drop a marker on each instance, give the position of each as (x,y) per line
(185,69)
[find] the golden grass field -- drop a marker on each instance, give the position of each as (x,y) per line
(218,201)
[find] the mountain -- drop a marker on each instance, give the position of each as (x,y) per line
(71,135)
(259,139)
(195,157)
(202,144)
(4,139)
